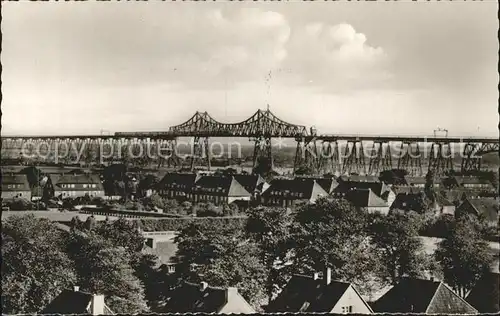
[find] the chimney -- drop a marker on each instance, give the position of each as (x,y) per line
(97,305)
(231,293)
(316,276)
(328,276)
(76,288)
(203,286)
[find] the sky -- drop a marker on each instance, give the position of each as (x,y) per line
(390,68)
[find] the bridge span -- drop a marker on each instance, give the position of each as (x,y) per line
(322,153)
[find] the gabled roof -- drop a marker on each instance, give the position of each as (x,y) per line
(177,180)
(16,179)
(377,187)
(71,302)
(485,296)
(220,185)
(422,296)
(57,180)
(488,207)
(299,188)
(304,294)
(328,184)
(364,198)
(190,298)
(250,182)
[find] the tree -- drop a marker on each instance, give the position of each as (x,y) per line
(270,229)
(107,272)
(399,248)
(429,186)
(35,267)
(332,233)
(224,257)
(463,255)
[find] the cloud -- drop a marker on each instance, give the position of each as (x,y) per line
(336,58)
(137,45)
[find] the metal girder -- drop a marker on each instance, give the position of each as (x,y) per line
(262,153)
(440,158)
(262,123)
(410,158)
(200,152)
(329,158)
(380,158)
(354,158)
(473,153)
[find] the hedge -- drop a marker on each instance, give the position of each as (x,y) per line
(176,224)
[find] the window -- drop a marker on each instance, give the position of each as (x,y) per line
(72,186)
(94,186)
(347,309)
(84,186)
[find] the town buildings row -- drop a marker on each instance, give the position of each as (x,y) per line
(365,192)
(317,293)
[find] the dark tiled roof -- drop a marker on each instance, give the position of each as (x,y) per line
(57,180)
(250,182)
(304,294)
(328,184)
(190,298)
(488,207)
(485,296)
(182,181)
(16,179)
(71,302)
(364,198)
(300,188)
(220,185)
(377,187)
(421,296)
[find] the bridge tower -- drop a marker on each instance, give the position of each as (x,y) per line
(440,158)
(380,158)
(200,152)
(354,158)
(306,155)
(329,158)
(411,158)
(262,154)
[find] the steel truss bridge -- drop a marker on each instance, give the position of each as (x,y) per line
(341,154)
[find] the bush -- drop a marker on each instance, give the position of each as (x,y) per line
(166,224)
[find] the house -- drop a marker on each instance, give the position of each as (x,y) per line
(77,185)
(164,250)
(252,183)
(15,186)
(485,296)
(312,294)
(421,181)
(486,208)
(366,199)
(411,202)
(328,184)
(202,298)
(444,205)
(381,189)
(476,183)
(177,185)
(419,296)
(286,192)
(77,302)
(219,190)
